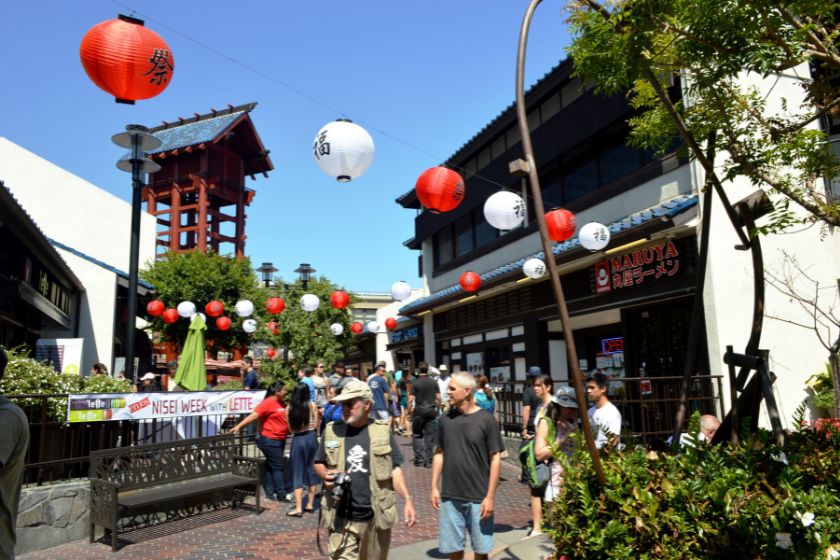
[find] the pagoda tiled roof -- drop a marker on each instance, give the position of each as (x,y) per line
(194,133)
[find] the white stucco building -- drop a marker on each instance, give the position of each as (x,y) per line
(90,229)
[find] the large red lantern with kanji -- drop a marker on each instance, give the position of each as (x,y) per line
(440,189)
(155,308)
(275,305)
(390,323)
(470,281)
(223,323)
(339,299)
(215,308)
(561,225)
(357,328)
(170,315)
(127,60)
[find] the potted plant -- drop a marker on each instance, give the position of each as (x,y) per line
(822,386)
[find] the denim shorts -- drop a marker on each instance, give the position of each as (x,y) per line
(456,518)
(379,414)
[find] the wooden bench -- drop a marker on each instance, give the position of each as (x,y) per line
(201,465)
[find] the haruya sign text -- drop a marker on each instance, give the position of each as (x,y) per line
(137,406)
(654,263)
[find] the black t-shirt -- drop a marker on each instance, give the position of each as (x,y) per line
(424,389)
(467,441)
(357,466)
(529,398)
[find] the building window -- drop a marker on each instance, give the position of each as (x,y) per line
(443,246)
(581,181)
(463,235)
(484,232)
(552,195)
(619,162)
(364,315)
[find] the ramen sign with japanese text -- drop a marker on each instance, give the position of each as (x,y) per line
(644,266)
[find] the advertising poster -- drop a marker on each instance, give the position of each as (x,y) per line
(64,354)
(475,363)
(100,407)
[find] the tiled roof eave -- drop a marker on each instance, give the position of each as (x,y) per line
(666,209)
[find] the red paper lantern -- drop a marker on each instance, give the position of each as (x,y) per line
(155,308)
(275,331)
(275,305)
(269,353)
(170,315)
(223,323)
(470,281)
(390,323)
(272,325)
(440,189)
(561,225)
(214,308)
(339,299)
(357,328)
(127,60)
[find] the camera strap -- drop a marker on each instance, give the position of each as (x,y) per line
(345,501)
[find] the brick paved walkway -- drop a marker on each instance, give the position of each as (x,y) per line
(233,534)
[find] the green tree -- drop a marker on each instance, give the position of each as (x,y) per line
(637,45)
(201,278)
(306,335)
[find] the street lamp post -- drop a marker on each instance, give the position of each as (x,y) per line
(305,272)
(531,167)
(138,140)
(267,270)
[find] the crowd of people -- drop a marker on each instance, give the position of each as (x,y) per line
(343,436)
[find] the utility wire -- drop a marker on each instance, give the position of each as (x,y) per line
(309,97)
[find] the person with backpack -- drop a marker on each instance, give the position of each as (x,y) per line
(543,389)
(555,426)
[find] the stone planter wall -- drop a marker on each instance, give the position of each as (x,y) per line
(52,515)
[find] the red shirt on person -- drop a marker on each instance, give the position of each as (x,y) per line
(272,415)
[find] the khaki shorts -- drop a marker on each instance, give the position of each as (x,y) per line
(359,540)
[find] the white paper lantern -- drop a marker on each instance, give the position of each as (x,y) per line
(373,327)
(344,150)
(186,309)
(594,236)
(244,308)
(337,329)
(504,210)
(534,268)
(199,314)
(310,302)
(401,291)
(249,326)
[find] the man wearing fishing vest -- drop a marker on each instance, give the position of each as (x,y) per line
(360,522)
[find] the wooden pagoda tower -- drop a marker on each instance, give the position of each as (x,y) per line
(204,161)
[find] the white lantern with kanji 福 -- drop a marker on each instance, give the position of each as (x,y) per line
(344,150)
(504,210)
(594,236)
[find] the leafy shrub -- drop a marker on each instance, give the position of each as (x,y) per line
(232,385)
(755,501)
(27,376)
(825,399)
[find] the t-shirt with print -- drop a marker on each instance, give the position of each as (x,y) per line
(424,389)
(357,466)
(606,418)
(467,441)
(379,387)
(14,441)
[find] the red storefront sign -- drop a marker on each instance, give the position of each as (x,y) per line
(653,263)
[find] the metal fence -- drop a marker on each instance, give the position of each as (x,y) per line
(60,451)
(648,405)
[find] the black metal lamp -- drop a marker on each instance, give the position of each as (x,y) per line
(267,270)
(305,271)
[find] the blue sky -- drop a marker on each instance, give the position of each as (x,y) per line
(430,73)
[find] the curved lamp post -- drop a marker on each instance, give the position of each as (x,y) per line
(137,139)
(534,179)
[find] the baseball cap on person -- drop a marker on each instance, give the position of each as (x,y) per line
(565,396)
(354,389)
(534,372)
(380,363)
(148,376)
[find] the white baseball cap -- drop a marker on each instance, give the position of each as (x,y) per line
(148,376)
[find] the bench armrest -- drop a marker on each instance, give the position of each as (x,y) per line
(107,483)
(247,466)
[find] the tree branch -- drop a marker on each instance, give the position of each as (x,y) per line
(795,22)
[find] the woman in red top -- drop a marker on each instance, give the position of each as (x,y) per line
(271,413)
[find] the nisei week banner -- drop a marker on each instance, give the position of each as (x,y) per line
(137,406)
